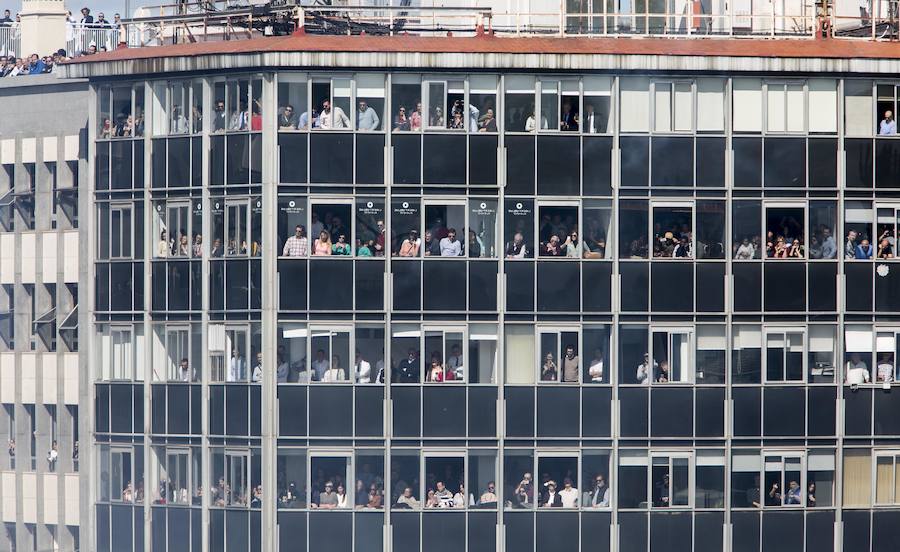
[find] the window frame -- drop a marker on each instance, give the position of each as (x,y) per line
(557,330)
(785,332)
(894,455)
(671,456)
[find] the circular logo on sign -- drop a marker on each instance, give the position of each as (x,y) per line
(518,205)
(159,208)
(217,205)
(292,203)
(259,203)
(483,205)
(406,205)
(370,205)
(883,270)
(199,207)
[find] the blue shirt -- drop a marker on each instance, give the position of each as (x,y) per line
(887,127)
(864,252)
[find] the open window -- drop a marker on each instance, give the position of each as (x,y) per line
(444,480)
(330,474)
(858,230)
(821,356)
(177,351)
(558,354)
(671,477)
(406,350)
(785,231)
(886,356)
(482,108)
(858,346)
(445,347)
(406,218)
(710,356)
(673,231)
(331,104)
(672,350)
(371,231)
(558,480)
(785,480)
(330,347)
(178,476)
(370,103)
(886,109)
(331,227)
(597,105)
(560,105)
(785,355)
(519,229)
(558,231)
(785,106)
(292,478)
(177,227)
(746,354)
(444,229)
(235,479)
(888,217)
(444,105)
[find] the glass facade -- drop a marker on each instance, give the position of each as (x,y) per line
(396,311)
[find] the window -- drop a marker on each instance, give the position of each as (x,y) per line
(331,227)
(519,228)
(235,481)
(784,479)
(331,104)
(671,479)
(673,231)
(293,229)
(821,357)
(886,109)
(370,102)
(292,485)
(177,108)
(558,354)
(886,356)
(672,357)
(178,476)
(120,112)
(673,106)
(330,474)
(887,478)
(634,96)
(746,230)
(747,93)
(822,106)
(404,482)
(711,105)
(785,234)
(445,224)
(710,479)
(177,353)
(117,236)
(228,350)
(444,105)
(784,356)
(858,107)
(520,354)
(857,477)
(331,350)
(858,342)
(236,227)
(859,231)
(558,231)
(597,105)
(559,100)
(446,355)
(238,105)
(120,347)
(746,354)
(405,223)
(178,227)
(121,474)
(888,221)
(784,103)
(370,227)
(519,104)
(293,108)
(444,481)
(596,485)
(597,240)
(822,223)
(597,344)
(333,357)
(482,104)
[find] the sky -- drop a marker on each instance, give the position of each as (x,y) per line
(108,7)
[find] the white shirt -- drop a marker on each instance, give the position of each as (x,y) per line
(336,119)
(257,373)
(745,251)
(320,367)
(886,371)
(236,369)
(857,373)
(569,497)
(643,373)
(363,372)
(282,372)
(334,374)
(596,370)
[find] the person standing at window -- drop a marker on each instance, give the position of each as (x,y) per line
(549,371)
(257,374)
(864,250)
(644,370)
(337,119)
(595,370)
(298,244)
(885,370)
(570,367)
(410,246)
(366,118)
(794,494)
(516,249)
(341,247)
(857,371)
(551,498)
(322,246)
(407,369)
(598,497)
(401,121)
(415,120)
(569,494)
(887,126)
(363,369)
(850,245)
(450,246)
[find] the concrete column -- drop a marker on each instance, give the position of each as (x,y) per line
(43,26)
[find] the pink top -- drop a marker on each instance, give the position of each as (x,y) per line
(322,248)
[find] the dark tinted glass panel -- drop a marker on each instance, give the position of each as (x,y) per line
(217,409)
(292,410)
(158,291)
(711,162)
(747,286)
(747,162)
(785,287)
(483,160)
(217,285)
(237,162)
(330,531)
(101,402)
(856,530)
(179,527)
(101,287)
(405,532)
(179,285)
(559,165)
(708,531)
(710,412)
(671,532)
(444,532)
(746,411)
(885,531)
(407,153)
(595,412)
(711,287)
(406,411)
(820,531)
(785,164)
(292,154)
(137,417)
(102,166)
(158,160)
(673,161)
(482,411)
(406,285)
(120,399)
(671,413)
(519,531)
(887,288)
(557,412)
(217,529)
(519,286)
(292,288)
(255,158)
(179,408)
(745,532)
(558,286)
(121,168)
(217,160)
(445,285)
(822,290)
(483,285)
(369,285)
(782,531)
(595,528)
(444,412)
(633,412)
(858,412)
(634,278)
(237,531)
(822,162)
(635,526)
(520,163)
(103,528)
(858,294)
(444,159)
(886,420)
(120,286)
(783,411)
(236,410)
(887,163)
(369,159)
(672,287)
(369,530)
(821,414)
(635,160)
(179,155)
(597,165)
(858,156)
(237,285)
(196,161)
(596,286)
(332,284)
(368,415)
(337,421)
(557,531)
(332,158)
(121,520)
(519,411)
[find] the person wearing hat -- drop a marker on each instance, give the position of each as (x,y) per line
(551,498)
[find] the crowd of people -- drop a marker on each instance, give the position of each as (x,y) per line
(548,494)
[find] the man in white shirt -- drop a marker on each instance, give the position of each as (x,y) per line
(320,365)
(237,367)
(363,369)
(332,118)
(590,119)
(857,371)
(595,370)
(568,494)
(885,372)
(645,370)
(257,370)
(185,373)
(455,362)
(450,246)
(551,498)
(281,373)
